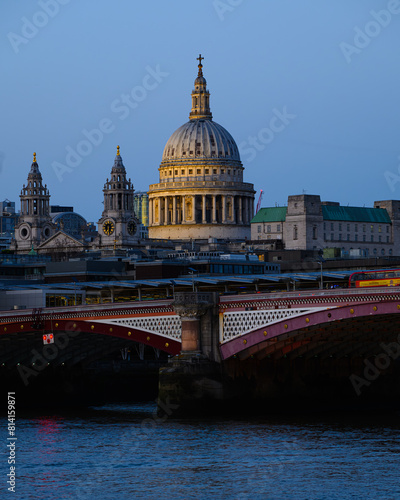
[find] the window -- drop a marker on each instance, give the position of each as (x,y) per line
(182,172)
(355,227)
(325,236)
(383,251)
(364,238)
(375,251)
(214,171)
(207,170)
(198,171)
(331,236)
(268,228)
(372,237)
(324,226)
(176,172)
(340,226)
(278,227)
(348,227)
(229,172)
(314,232)
(258,229)
(372,228)
(387,229)
(387,239)
(295,233)
(379,228)
(332,226)
(340,236)
(348,237)
(380,239)
(222,170)
(356,237)
(190,171)
(364,228)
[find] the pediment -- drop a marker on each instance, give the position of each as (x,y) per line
(60,241)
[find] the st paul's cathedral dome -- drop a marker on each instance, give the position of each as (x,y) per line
(201,193)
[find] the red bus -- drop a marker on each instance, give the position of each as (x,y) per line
(384,277)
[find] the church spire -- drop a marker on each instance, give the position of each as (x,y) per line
(34,166)
(118,165)
(200,96)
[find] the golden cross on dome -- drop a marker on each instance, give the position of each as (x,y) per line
(34,157)
(117,150)
(200,59)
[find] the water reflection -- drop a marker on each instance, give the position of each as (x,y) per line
(112,452)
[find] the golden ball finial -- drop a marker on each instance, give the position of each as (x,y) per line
(117,150)
(34,157)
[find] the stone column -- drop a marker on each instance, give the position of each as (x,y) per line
(190,306)
(165,210)
(150,212)
(203,200)
(233,209)
(214,209)
(159,211)
(174,210)
(183,202)
(223,203)
(193,208)
(240,221)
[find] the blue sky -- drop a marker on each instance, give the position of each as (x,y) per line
(308,89)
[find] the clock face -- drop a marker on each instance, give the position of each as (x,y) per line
(132,227)
(108,227)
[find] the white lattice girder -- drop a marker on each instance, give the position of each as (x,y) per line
(236,324)
(166,326)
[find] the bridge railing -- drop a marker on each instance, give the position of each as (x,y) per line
(335,292)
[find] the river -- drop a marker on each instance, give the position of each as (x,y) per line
(124,451)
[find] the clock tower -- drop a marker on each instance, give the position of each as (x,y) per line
(35,224)
(118,226)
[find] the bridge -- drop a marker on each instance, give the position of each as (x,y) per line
(202,330)
(321,322)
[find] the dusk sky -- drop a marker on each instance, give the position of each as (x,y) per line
(310,91)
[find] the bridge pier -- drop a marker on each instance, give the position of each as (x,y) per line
(194,377)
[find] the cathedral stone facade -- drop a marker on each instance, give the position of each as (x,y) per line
(201,193)
(118,225)
(35,224)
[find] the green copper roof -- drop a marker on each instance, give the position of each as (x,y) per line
(355,214)
(272,214)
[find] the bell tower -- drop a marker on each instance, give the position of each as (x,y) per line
(35,223)
(118,226)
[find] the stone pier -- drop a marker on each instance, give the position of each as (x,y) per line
(194,377)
